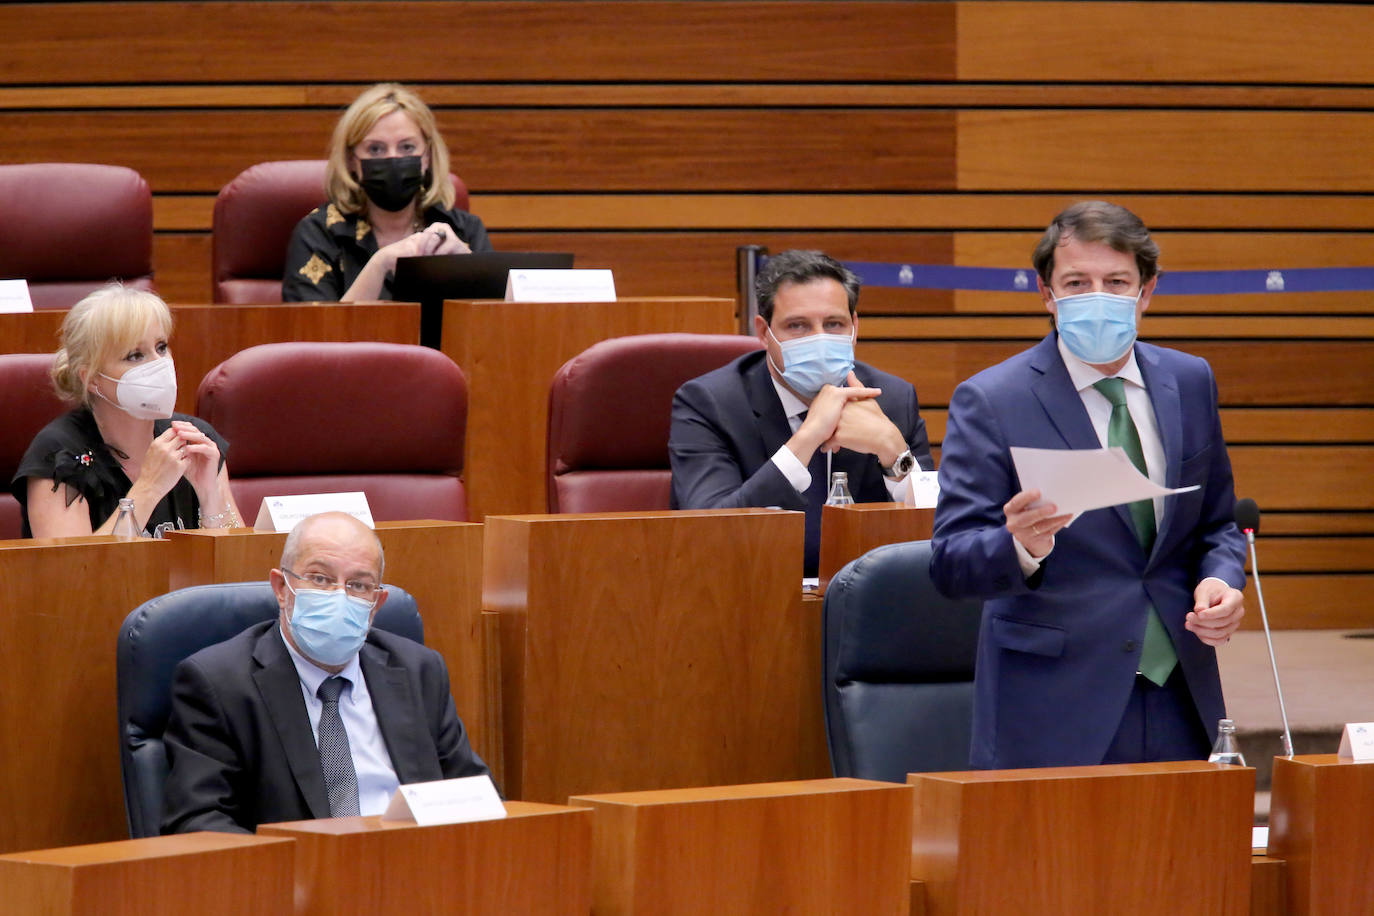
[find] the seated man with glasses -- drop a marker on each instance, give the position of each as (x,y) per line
(313,714)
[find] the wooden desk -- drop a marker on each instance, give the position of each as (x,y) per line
(510,351)
(820,847)
(208,874)
(648,650)
(535,860)
(203,336)
(849,532)
(60,611)
(1127,839)
(439,563)
(1321,823)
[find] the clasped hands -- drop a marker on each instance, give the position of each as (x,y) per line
(436,238)
(181,451)
(848,416)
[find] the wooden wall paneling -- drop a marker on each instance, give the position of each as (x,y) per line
(181,266)
(60,613)
(1310,601)
(1228,248)
(557,41)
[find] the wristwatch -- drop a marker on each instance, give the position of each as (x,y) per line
(905,463)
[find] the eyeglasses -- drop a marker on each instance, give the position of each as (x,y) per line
(356,588)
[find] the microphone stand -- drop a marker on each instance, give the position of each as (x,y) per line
(1273,664)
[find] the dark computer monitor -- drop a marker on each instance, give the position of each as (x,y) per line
(431,279)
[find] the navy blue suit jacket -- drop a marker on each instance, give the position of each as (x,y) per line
(239,744)
(727,424)
(1057,654)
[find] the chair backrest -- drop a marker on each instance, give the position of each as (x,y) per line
(69,228)
(387,419)
(153,640)
(254,217)
(898,667)
(27,403)
(610,408)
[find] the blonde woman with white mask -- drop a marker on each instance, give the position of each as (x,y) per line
(123,440)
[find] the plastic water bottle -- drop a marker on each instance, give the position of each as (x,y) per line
(1226,750)
(839,490)
(125,526)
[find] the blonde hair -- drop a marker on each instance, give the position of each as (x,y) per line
(367,109)
(105,324)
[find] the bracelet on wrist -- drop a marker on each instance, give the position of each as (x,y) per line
(226,519)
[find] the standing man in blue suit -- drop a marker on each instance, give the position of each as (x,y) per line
(758,431)
(1097,640)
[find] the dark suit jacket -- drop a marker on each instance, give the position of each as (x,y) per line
(1057,653)
(239,744)
(728,423)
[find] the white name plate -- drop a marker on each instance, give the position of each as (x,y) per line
(446,801)
(1357,741)
(14,296)
(560,286)
(282,513)
(924,491)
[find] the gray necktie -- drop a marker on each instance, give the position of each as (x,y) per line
(336,759)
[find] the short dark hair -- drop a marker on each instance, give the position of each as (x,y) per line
(798,266)
(1098,221)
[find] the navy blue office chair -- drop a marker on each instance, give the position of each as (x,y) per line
(898,668)
(156,636)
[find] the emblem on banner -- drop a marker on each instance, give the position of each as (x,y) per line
(906,275)
(1274,282)
(1021,281)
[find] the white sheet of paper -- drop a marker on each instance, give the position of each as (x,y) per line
(924,491)
(282,513)
(1357,741)
(549,285)
(1259,837)
(446,801)
(1079,479)
(14,296)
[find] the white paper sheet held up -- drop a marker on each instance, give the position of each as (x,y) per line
(1077,480)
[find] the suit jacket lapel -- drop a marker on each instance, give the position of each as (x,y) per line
(1162,387)
(280,689)
(774,430)
(395,709)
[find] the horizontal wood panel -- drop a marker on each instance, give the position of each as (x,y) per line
(1247,425)
(1280,554)
(1165,150)
(1316,523)
(1159,42)
(704,95)
(1033,326)
(181,266)
(1305,477)
(1249,374)
(1233,250)
(1315,601)
(1230,304)
(539,150)
(553,41)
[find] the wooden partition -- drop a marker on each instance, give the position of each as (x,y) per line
(1125,839)
(647,650)
(1321,817)
(819,847)
(849,532)
(203,336)
(60,611)
(537,859)
(209,874)
(439,563)
(510,352)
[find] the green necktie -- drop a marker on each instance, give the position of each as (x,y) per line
(1157,656)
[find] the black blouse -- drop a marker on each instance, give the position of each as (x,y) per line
(70,452)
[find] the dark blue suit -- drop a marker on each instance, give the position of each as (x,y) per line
(727,425)
(1057,653)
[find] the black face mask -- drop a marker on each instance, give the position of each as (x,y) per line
(391,183)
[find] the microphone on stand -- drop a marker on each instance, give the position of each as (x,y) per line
(1247,519)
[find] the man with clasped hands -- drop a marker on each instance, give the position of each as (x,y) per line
(314,714)
(1097,637)
(758,431)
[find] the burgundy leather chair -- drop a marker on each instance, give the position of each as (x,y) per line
(387,419)
(70,228)
(609,412)
(27,403)
(254,216)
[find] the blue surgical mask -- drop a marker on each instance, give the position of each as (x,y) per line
(329,626)
(1097,327)
(812,362)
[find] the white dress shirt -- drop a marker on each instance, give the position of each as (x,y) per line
(377,780)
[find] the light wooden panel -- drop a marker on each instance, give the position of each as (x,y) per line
(209,874)
(1320,826)
(810,848)
(1230,250)
(1108,150)
(553,41)
(537,859)
(60,613)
